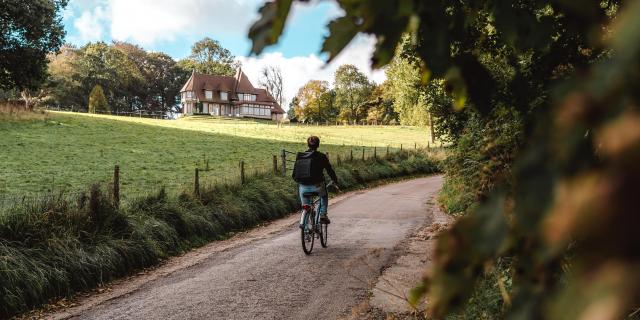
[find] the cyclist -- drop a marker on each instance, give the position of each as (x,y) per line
(308,172)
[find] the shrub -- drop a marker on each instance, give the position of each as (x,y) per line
(61,245)
(97,100)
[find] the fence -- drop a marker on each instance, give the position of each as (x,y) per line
(281,164)
(138,113)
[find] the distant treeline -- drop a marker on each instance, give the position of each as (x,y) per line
(400,99)
(130,77)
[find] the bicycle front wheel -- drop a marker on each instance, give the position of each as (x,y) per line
(306,233)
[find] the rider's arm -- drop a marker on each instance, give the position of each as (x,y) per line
(332,174)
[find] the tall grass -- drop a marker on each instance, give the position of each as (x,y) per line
(60,245)
(17,112)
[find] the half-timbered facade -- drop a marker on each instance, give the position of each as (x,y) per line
(228,97)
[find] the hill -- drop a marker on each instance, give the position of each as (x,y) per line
(68,151)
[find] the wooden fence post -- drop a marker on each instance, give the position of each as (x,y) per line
(351,158)
(196,183)
(362,153)
(387,151)
(401,147)
(415,145)
(375,152)
(275,164)
(284,162)
(241,171)
(116,186)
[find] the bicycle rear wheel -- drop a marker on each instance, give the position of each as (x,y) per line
(307,234)
(324,234)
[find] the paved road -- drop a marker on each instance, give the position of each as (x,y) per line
(265,275)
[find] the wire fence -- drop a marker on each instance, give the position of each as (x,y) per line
(204,177)
(137,113)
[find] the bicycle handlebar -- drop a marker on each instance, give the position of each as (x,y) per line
(332,184)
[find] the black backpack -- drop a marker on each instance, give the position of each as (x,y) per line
(302,172)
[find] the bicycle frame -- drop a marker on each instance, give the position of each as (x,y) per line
(310,209)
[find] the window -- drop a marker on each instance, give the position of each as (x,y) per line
(247,97)
(208,94)
(223,95)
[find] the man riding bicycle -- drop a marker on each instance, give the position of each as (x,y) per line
(308,172)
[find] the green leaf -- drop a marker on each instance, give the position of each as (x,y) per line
(267,30)
(341,32)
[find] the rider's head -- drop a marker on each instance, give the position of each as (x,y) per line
(313,142)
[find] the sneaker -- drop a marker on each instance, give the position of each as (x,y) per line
(324,219)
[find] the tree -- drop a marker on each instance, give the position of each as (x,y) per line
(164,80)
(63,86)
(313,102)
(381,106)
(353,89)
(404,89)
(291,113)
(209,57)
(555,222)
(29,31)
(109,67)
(97,100)
(271,79)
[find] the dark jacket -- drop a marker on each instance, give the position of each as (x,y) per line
(319,163)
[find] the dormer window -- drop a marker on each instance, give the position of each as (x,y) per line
(247,97)
(223,96)
(208,94)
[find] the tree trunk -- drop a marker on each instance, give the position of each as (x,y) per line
(433,138)
(28,99)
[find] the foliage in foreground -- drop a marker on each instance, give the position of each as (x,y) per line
(61,245)
(563,208)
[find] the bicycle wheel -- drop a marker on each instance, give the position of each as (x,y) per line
(324,234)
(307,234)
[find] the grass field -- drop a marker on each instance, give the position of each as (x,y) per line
(68,151)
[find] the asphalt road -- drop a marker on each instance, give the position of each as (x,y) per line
(265,275)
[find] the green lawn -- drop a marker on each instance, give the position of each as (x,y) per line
(68,151)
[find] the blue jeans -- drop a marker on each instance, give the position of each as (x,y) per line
(322,193)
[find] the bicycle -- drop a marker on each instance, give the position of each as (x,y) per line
(310,226)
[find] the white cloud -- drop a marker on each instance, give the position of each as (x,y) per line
(90,24)
(296,71)
(148,21)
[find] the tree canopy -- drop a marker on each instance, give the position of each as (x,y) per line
(132,78)
(208,56)
(29,30)
(551,92)
(97,101)
(314,102)
(353,90)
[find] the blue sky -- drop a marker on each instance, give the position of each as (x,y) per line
(93,20)
(173,26)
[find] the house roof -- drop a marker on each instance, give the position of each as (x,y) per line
(233,85)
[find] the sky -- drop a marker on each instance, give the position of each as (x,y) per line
(173,26)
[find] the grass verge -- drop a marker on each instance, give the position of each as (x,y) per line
(60,245)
